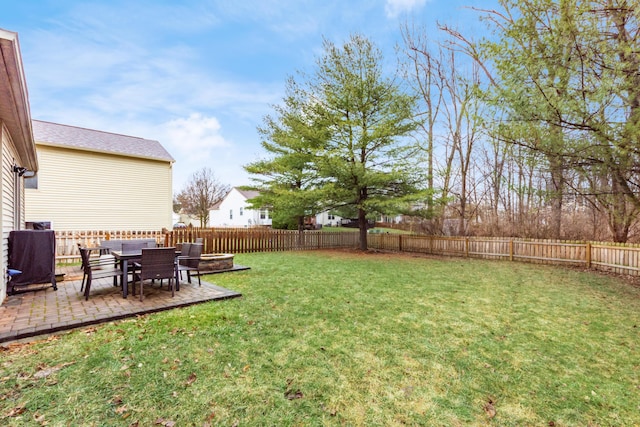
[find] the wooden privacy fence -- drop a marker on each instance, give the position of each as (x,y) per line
(67,241)
(215,240)
(245,240)
(617,258)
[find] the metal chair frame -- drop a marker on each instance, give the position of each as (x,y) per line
(96,268)
(191,261)
(157,263)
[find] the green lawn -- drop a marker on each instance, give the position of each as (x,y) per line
(344,338)
(339,229)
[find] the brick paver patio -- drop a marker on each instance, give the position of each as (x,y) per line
(46,311)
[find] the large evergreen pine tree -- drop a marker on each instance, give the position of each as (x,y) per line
(348,126)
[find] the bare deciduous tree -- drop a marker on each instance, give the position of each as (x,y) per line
(424,73)
(200,194)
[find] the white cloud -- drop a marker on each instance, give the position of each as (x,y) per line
(393,8)
(197,142)
(196,134)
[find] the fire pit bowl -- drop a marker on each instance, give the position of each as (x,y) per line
(216,262)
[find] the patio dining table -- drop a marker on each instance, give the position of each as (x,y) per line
(124,257)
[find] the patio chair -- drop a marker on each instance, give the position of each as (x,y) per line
(191,261)
(102,251)
(96,268)
(82,261)
(185,247)
(156,263)
(133,246)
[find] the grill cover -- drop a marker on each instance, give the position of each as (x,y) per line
(34,253)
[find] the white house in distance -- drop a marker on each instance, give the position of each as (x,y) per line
(327,219)
(234,211)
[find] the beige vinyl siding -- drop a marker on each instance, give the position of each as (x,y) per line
(8,214)
(85,190)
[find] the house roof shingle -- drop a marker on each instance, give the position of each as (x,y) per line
(99,141)
(248,194)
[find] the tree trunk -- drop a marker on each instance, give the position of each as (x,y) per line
(300,231)
(362,222)
(557,192)
(462,231)
(619,218)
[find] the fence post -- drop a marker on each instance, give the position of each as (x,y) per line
(588,254)
(511,250)
(466,247)
(399,242)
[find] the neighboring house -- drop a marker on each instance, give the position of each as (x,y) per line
(235,211)
(183,220)
(18,151)
(328,219)
(189,220)
(94,180)
(175,218)
(390,219)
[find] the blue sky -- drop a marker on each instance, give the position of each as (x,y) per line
(198,76)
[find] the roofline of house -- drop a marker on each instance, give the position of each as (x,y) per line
(169,159)
(112,153)
(19,124)
(244,192)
